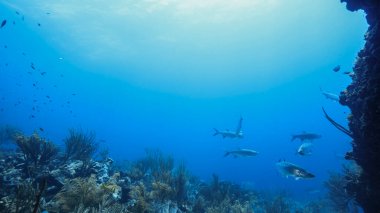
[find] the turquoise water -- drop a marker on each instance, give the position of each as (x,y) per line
(162,74)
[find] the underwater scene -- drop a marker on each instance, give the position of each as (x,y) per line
(173,106)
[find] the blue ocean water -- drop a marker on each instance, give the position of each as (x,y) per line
(162,74)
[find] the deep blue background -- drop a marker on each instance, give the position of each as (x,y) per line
(162,94)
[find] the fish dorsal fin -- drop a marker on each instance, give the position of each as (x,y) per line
(239,126)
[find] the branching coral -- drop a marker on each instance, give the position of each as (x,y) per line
(77,192)
(35,149)
(23,200)
(141,198)
(337,193)
(180,180)
(80,145)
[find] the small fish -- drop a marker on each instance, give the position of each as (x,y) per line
(48,97)
(32,66)
(43,73)
(5,46)
(337,68)
(306,136)
(73,94)
(32,116)
(14,22)
(17,13)
(41,129)
(3,23)
(23,18)
(241,152)
(34,84)
(47,13)
(39,24)
(288,169)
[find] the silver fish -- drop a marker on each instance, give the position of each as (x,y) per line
(288,169)
(231,134)
(241,152)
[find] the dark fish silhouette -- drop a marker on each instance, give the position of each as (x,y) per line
(32,66)
(337,68)
(43,73)
(41,129)
(306,136)
(3,23)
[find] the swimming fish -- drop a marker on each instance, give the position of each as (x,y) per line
(231,134)
(241,152)
(3,23)
(337,68)
(306,136)
(288,169)
(329,95)
(305,149)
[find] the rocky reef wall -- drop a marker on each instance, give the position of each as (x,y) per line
(362,96)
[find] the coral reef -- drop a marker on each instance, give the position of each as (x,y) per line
(154,183)
(363,98)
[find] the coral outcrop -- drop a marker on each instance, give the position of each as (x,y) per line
(363,98)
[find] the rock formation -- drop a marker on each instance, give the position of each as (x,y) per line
(363,98)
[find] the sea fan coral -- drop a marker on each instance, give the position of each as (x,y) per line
(35,149)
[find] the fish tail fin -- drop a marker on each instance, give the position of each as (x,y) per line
(216,132)
(226,154)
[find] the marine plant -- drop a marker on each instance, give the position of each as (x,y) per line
(180,180)
(22,200)
(36,150)
(79,192)
(80,145)
(140,197)
(339,198)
